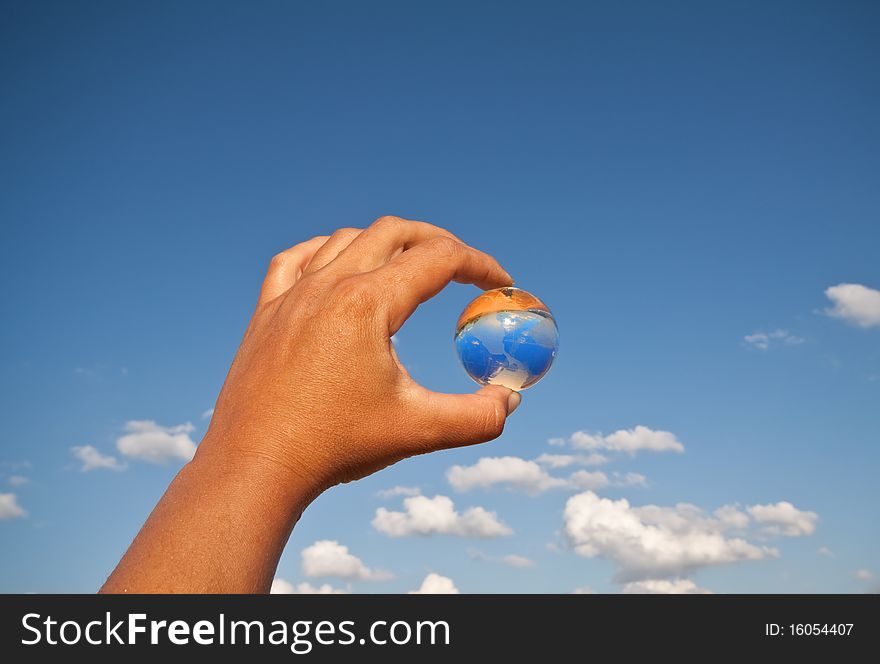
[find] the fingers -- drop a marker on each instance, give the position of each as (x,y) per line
(287,267)
(466,419)
(422,272)
(338,241)
(386,238)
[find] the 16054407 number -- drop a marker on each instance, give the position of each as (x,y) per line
(809,629)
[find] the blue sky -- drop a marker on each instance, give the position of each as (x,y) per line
(670,178)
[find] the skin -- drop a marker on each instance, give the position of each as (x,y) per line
(315,396)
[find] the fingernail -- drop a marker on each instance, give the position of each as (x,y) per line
(513,401)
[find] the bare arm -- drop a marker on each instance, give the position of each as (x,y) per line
(315,396)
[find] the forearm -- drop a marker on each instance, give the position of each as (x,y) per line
(220,527)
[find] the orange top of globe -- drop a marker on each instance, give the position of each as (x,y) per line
(500,299)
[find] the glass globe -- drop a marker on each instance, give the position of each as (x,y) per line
(508,337)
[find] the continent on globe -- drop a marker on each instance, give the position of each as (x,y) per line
(507,337)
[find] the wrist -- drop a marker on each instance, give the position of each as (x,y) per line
(285,484)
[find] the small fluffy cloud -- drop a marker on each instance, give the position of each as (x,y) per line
(583,590)
(434,584)
(825,551)
(855,303)
(584,479)
(208,414)
(511,559)
(530,478)
(783,518)
(146,440)
(664,587)
(330,558)
(652,542)
(630,479)
(92,459)
(437,515)
(730,517)
(17,480)
(282,587)
(395,491)
(565,460)
(9,507)
(764,340)
(630,441)
(527,476)
(864,575)
(515,560)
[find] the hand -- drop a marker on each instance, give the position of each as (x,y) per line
(316,387)
(315,396)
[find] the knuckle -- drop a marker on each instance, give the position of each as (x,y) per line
(388,222)
(445,246)
(499,417)
(277,261)
(493,422)
(342,233)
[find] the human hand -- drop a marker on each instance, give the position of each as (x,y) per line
(316,389)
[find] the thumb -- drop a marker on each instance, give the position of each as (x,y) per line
(466,419)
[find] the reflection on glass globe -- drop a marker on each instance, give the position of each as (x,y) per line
(508,337)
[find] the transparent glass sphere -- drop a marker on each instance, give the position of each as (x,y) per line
(508,337)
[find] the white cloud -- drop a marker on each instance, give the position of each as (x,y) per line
(527,476)
(17,480)
(731,517)
(556,442)
(864,575)
(434,584)
(652,542)
(783,518)
(763,340)
(855,303)
(155,443)
(556,460)
(584,479)
(630,441)
(330,558)
(664,587)
(825,551)
(630,479)
(757,340)
(511,559)
(9,507)
(437,515)
(587,441)
(399,491)
(208,414)
(515,560)
(565,460)
(92,459)
(282,587)
(531,478)
(583,590)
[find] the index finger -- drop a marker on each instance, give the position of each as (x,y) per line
(420,273)
(385,239)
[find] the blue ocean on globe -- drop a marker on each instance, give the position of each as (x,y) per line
(509,348)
